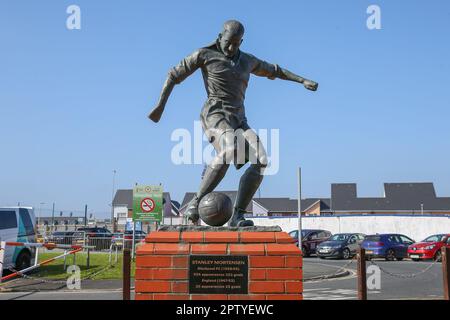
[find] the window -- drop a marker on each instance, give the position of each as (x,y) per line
(406,240)
(26,220)
(339,237)
(352,239)
(373,238)
(393,239)
(294,234)
(323,234)
(8,220)
(313,236)
(435,238)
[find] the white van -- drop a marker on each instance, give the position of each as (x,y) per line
(17,224)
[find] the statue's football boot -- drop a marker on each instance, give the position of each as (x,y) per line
(238,220)
(191,212)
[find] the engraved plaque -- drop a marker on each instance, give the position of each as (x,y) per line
(218,274)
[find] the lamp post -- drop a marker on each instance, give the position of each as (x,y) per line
(39,214)
(53,216)
(300,208)
(112,200)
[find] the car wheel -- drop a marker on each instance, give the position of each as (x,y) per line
(346,253)
(23,261)
(305,252)
(438,256)
(416,260)
(390,255)
(399,259)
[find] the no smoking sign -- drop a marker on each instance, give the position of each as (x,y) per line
(147,205)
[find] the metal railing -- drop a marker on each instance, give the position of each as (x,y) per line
(362,276)
(98,241)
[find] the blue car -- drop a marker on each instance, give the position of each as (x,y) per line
(389,246)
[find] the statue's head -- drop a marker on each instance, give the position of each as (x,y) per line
(231,37)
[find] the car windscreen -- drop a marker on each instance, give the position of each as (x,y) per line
(372,238)
(435,238)
(340,237)
(26,221)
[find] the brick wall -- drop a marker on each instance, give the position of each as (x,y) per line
(275,264)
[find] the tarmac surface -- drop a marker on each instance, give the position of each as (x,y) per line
(310,272)
(323,280)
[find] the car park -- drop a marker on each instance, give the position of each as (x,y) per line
(388,246)
(40,238)
(138,235)
(62,237)
(100,238)
(17,224)
(429,248)
(311,238)
(127,237)
(340,245)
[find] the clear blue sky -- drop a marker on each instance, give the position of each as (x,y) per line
(73,104)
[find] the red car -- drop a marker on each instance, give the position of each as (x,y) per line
(430,248)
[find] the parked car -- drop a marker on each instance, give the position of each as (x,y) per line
(138,235)
(389,246)
(40,238)
(429,248)
(127,238)
(17,224)
(62,237)
(340,245)
(95,231)
(99,237)
(311,238)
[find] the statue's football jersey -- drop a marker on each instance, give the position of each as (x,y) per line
(226,81)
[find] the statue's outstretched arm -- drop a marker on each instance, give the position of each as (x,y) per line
(157,112)
(273,71)
(288,75)
(176,75)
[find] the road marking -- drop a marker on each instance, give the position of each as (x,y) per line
(317,289)
(329,294)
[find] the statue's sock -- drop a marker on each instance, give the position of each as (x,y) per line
(249,183)
(211,178)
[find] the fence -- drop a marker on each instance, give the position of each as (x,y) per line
(46,229)
(68,250)
(97,241)
(362,277)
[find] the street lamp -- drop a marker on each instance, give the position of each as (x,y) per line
(39,215)
(299,177)
(112,200)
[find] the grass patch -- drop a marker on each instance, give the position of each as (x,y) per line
(99,262)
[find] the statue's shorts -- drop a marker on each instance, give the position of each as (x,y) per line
(219,117)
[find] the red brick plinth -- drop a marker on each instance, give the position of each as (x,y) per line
(275,264)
